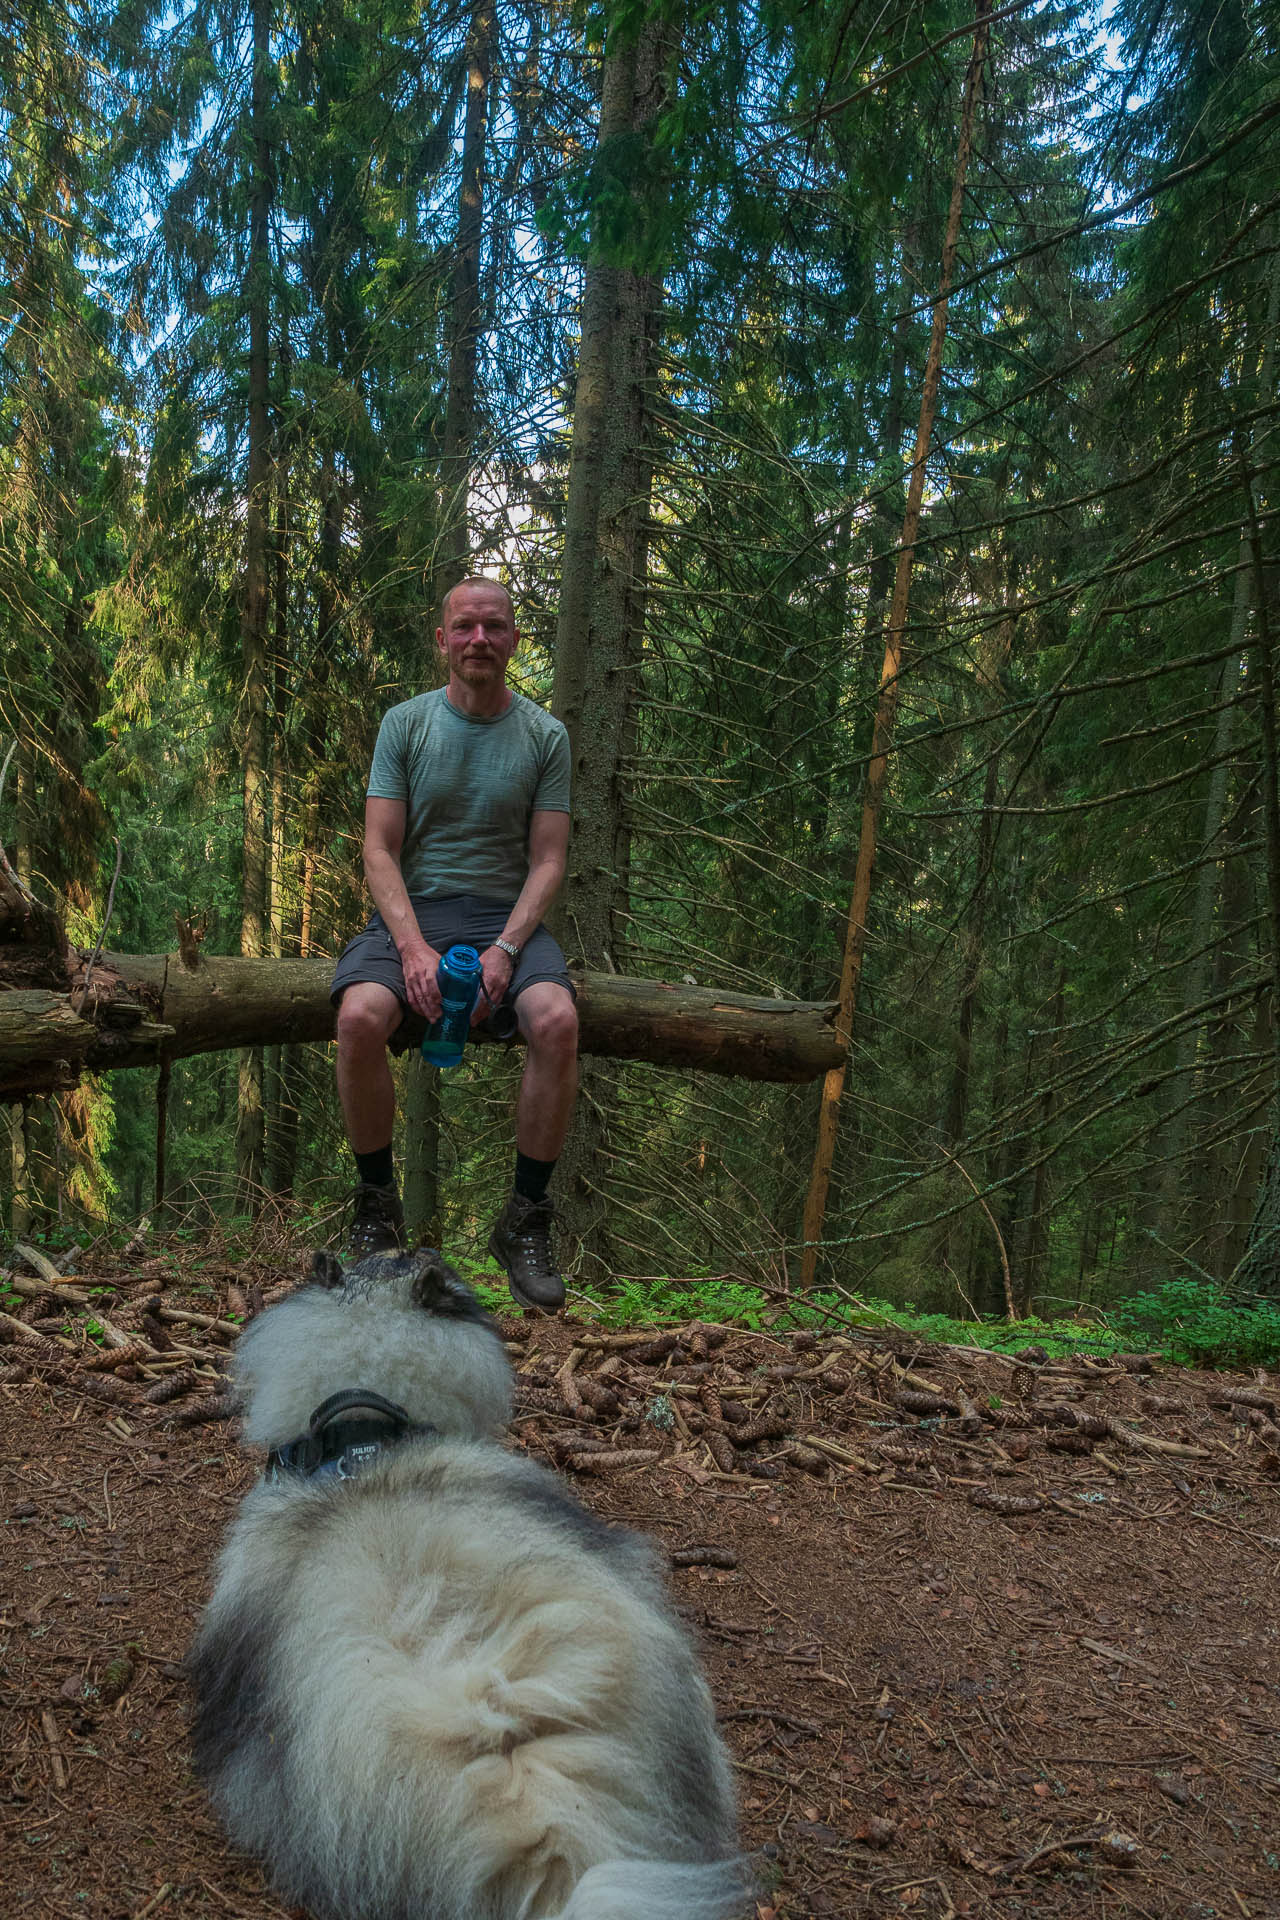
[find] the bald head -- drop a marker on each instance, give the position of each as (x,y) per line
(476,580)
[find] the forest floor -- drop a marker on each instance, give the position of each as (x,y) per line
(962,1670)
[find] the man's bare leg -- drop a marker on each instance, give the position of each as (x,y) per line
(549,1023)
(521,1238)
(368,1014)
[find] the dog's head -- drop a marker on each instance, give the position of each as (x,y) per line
(422,1279)
(402,1325)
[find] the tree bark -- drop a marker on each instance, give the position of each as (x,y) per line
(1259,1271)
(1179,1182)
(19,1206)
(144,1008)
(420,1159)
(602,608)
(1032,1268)
(887,706)
(250,1129)
(464,307)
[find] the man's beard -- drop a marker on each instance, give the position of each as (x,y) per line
(478,672)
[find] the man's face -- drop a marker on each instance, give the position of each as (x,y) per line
(479,636)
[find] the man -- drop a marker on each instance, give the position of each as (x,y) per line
(466,837)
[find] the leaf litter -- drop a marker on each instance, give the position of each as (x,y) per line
(963,1668)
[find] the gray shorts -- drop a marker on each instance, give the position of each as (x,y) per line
(468,918)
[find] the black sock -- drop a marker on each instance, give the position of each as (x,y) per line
(376,1169)
(532,1176)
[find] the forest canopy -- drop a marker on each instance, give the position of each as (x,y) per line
(873,415)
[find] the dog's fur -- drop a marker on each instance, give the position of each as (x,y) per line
(442,1690)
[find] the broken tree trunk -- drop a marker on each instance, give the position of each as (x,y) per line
(141,1009)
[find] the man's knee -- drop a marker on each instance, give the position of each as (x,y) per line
(367,1017)
(551,1022)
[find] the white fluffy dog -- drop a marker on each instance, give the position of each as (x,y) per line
(429,1685)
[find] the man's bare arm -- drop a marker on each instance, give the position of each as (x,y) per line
(548,858)
(384,824)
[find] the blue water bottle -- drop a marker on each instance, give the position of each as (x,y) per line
(459,977)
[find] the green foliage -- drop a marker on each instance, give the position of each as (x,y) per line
(1186,1321)
(1056,1336)
(659,1303)
(1198,1325)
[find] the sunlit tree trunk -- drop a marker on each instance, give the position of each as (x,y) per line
(887,707)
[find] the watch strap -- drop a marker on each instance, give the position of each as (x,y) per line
(510,948)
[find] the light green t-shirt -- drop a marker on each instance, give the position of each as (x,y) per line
(469,788)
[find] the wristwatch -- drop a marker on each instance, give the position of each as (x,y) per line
(510,948)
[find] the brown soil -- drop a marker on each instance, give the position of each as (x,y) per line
(1066,1707)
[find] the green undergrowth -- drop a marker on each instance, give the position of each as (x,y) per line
(1189,1323)
(1195,1324)
(661,1303)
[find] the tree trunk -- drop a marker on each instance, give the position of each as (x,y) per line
(988,1283)
(1177,1187)
(1248,1174)
(599,632)
(1260,1269)
(464,308)
(420,1159)
(20,1204)
(995,657)
(1201,937)
(253,622)
(162,1138)
(886,710)
(281,1114)
(143,1008)
(1034,1264)
(1225,1105)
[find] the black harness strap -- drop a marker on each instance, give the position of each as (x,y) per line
(345,1434)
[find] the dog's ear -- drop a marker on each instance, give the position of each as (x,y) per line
(431,1278)
(437,1288)
(326,1269)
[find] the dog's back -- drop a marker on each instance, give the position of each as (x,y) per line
(441,1688)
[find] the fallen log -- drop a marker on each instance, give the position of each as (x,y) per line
(137,1010)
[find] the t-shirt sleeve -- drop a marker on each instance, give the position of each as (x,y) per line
(551,795)
(389,774)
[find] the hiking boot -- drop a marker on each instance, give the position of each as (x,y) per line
(521,1242)
(377,1225)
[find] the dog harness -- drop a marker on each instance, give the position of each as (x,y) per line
(345,1434)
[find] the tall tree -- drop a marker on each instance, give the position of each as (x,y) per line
(457,463)
(604,569)
(255,592)
(886,710)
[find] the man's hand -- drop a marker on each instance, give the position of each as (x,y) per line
(497,968)
(422,989)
